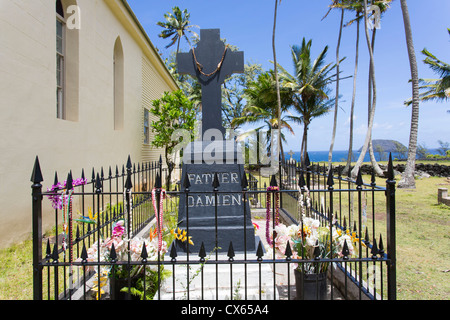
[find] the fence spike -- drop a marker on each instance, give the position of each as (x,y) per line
(372,178)
(288,252)
(144,254)
(380,246)
(202,252)
(273,181)
(93,175)
(307,162)
(77,234)
(110,173)
(69,182)
(84,255)
(374,250)
(82,174)
(158,183)
(113,254)
(301,181)
(98,184)
(390,168)
(330,179)
(173,252)
(216,183)
(359,180)
(55,252)
(186,182)
(102,175)
(36,175)
(317,251)
(230,253)
(117,171)
(259,251)
(244,182)
(48,250)
(345,251)
(129,165)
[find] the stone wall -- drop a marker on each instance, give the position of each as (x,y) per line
(434,170)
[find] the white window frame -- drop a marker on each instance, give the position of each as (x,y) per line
(60,57)
(146,126)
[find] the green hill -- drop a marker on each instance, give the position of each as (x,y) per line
(386,145)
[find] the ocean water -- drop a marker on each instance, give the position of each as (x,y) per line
(341,156)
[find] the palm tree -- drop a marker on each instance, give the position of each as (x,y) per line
(372,87)
(333,136)
(262,106)
(356,6)
(276,79)
(177,26)
(315,107)
(435,89)
(309,85)
(383,7)
(407,180)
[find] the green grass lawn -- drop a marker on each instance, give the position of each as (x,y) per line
(423,246)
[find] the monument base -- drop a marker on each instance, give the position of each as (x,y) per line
(214,217)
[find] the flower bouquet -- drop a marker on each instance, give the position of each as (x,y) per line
(119,247)
(311,241)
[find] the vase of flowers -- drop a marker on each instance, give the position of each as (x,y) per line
(310,286)
(313,246)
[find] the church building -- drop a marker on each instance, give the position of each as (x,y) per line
(77,78)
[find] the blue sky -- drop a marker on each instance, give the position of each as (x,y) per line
(248,25)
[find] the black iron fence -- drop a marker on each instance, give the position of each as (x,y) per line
(113,232)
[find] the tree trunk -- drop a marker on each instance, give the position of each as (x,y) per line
(350,145)
(304,148)
(372,111)
(407,180)
(170,166)
(277,84)
(333,137)
(372,90)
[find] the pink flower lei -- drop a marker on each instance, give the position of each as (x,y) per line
(159,222)
(277,212)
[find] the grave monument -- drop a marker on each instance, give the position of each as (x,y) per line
(213,211)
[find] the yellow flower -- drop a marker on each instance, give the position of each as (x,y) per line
(181,235)
(103,281)
(92,217)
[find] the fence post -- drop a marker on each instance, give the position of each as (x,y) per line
(391,242)
(36,178)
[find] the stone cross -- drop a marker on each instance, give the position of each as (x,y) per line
(211,63)
(291,153)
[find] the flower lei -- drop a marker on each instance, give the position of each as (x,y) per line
(67,232)
(58,200)
(67,222)
(277,212)
(159,223)
(130,214)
